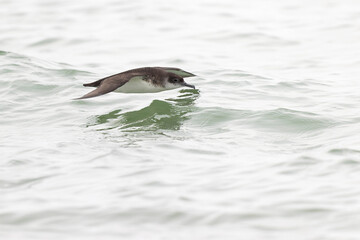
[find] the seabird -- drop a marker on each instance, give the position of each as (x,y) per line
(140,80)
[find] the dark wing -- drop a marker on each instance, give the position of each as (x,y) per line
(107,84)
(177,71)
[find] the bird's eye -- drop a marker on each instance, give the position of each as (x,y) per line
(175,80)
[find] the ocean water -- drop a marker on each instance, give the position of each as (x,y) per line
(267,147)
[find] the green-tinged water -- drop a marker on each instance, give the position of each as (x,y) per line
(266,147)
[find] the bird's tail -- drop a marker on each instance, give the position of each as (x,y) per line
(93,84)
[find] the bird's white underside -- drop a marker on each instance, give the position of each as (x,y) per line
(137,85)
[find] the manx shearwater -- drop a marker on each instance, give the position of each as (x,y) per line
(140,80)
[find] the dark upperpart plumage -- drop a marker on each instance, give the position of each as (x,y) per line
(156,76)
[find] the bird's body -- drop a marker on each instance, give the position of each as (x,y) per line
(140,80)
(138,85)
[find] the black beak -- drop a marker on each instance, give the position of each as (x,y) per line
(188,85)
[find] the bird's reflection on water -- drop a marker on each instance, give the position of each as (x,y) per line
(168,114)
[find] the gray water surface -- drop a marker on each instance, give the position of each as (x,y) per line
(267,147)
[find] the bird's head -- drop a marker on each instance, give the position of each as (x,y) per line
(175,81)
